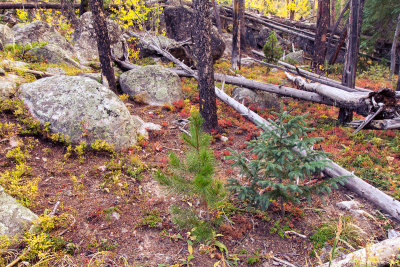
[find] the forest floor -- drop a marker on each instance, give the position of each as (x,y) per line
(111,210)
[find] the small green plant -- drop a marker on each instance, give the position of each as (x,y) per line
(271,50)
(286,167)
(102,145)
(151,219)
(199,164)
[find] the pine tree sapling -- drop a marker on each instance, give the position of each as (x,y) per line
(199,165)
(271,50)
(286,167)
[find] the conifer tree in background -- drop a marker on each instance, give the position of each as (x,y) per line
(272,51)
(285,166)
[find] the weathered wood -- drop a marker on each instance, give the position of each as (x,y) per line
(389,124)
(337,23)
(217,16)
(369,118)
(378,254)
(394,48)
(46,5)
(377,197)
(320,47)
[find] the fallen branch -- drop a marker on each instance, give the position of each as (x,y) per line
(377,197)
(20,257)
(388,124)
(35,72)
(376,254)
(295,233)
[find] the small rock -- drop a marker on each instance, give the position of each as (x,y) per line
(102,168)
(393,233)
(224,139)
(116,215)
(348,205)
(44,159)
(2,72)
(14,142)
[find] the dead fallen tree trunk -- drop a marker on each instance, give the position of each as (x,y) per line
(377,254)
(379,198)
(13,5)
(364,103)
(389,124)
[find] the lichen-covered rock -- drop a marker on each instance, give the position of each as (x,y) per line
(14,218)
(39,31)
(86,43)
(52,54)
(153,85)
(7,88)
(6,35)
(259,98)
(80,108)
(296,57)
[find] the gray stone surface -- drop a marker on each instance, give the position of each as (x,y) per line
(7,88)
(86,44)
(14,64)
(257,98)
(40,31)
(297,56)
(154,85)
(80,108)
(348,205)
(6,35)
(14,218)
(163,42)
(55,70)
(52,54)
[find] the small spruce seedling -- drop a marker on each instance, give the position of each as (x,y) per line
(285,165)
(194,176)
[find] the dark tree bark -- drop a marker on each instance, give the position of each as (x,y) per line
(217,16)
(321,34)
(238,40)
(352,47)
(103,42)
(333,12)
(69,11)
(393,54)
(84,7)
(204,64)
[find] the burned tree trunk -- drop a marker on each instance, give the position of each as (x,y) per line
(394,47)
(333,13)
(204,64)
(321,34)
(217,16)
(238,39)
(352,47)
(292,9)
(103,42)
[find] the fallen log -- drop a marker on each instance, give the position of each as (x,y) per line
(377,197)
(374,255)
(389,124)
(13,5)
(364,103)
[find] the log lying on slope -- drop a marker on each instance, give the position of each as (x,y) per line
(379,198)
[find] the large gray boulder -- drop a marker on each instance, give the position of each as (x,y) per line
(14,218)
(39,31)
(86,42)
(153,85)
(52,54)
(6,35)
(296,57)
(180,26)
(258,98)
(80,108)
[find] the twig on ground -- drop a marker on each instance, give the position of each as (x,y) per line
(284,262)
(19,258)
(295,233)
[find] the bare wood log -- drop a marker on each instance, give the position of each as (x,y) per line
(388,124)
(46,5)
(369,118)
(382,200)
(382,251)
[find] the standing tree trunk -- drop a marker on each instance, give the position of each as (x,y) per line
(84,7)
(352,47)
(103,42)
(394,47)
(398,82)
(217,16)
(321,33)
(291,9)
(204,64)
(238,40)
(333,12)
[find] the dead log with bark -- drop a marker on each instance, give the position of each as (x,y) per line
(377,197)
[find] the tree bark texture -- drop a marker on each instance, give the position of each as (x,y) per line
(238,38)
(352,47)
(103,42)
(321,33)
(204,64)
(398,82)
(393,54)
(217,16)
(333,12)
